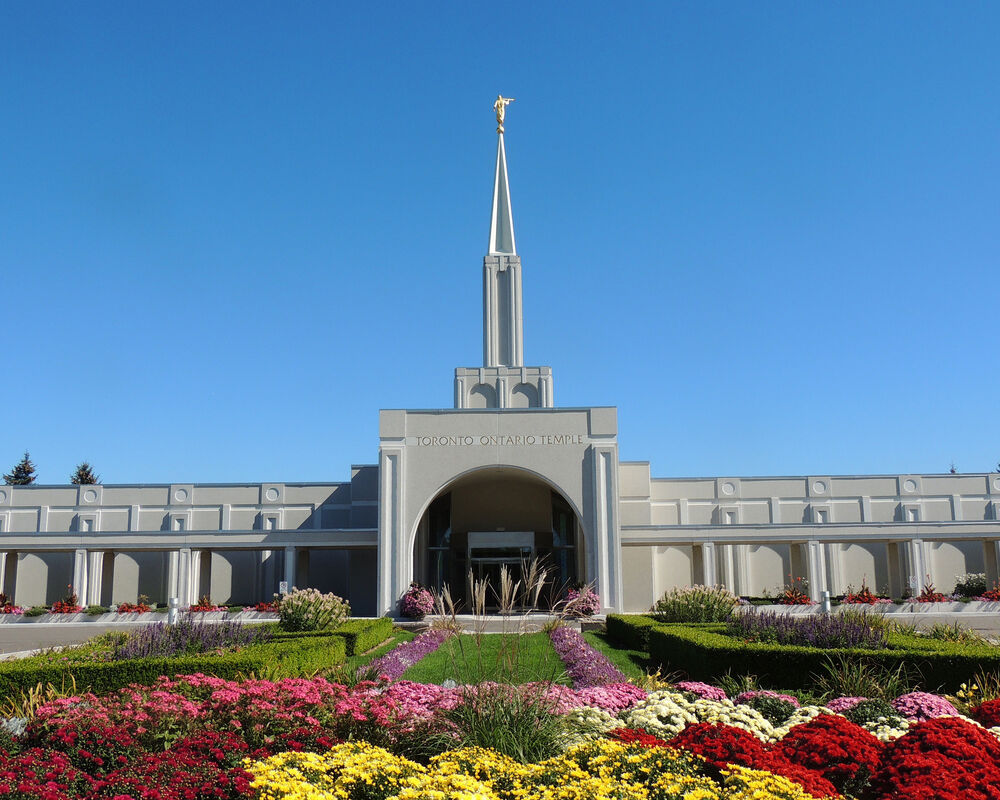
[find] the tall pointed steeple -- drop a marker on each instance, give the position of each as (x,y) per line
(501,220)
(503,381)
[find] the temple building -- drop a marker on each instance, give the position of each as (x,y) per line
(503,476)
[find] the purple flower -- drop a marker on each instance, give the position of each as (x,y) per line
(394,663)
(842,704)
(701,689)
(920,706)
(586,667)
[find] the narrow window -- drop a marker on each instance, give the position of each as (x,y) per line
(730,518)
(822,515)
(179,523)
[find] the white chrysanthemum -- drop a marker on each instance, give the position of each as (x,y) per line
(737,716)
(588,724)
(887,729)
(800,716)
(663,713)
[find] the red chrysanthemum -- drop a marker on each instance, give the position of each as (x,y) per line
(987,714)
(942,757)
(722,745)
(842,752)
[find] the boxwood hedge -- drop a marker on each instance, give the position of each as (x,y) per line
(285,656)
(705,652)
(361,635)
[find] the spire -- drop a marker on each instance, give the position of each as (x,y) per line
(501,220)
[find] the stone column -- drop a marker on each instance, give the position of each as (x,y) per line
(916,565)
(80,576)
(991,561)
(395,552)
(194,579)
(708,577)
(95,577)
(728,567)
(606,546)
(3,575)
(815,569)
(291,555)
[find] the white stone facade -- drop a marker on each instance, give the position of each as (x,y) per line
(502,475)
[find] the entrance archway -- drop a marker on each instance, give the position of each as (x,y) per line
(495,517)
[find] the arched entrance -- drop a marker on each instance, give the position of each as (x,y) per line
(498,517)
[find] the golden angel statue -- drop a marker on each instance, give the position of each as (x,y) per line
(500,106)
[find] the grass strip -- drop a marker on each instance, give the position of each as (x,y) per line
(634,663)
(504,658)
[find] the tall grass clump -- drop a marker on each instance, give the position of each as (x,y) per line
(310,610)
(816,630)
(695,604)
(849,676)
(517,721)
(188,638)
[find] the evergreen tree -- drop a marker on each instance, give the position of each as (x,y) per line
(22,474)
(84,474)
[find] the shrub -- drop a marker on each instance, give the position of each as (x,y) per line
(36,611)
(310,610)
(417,602)
(773,709)
(867,711)
(630,630)
(971,584)
(95,611)
(361,635)
(819,630)
(695,604)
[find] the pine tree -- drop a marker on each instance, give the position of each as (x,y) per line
(22,474)
(84,474)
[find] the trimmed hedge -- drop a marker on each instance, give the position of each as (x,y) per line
(706,653)
(631,630)
(286,656)
(361,635)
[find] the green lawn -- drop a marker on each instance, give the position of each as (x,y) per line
(634,663)
(505,658)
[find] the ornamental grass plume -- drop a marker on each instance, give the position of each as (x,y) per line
(695,604)
(311,610)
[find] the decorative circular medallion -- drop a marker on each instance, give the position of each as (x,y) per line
(3,496)
(909,485)
(996,485)
(271,494)
(181,495)
(819,487)
(89,496)
(728,488)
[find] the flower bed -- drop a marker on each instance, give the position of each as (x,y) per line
(585,665)
(197,737)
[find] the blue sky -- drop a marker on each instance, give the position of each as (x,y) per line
(231,232)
